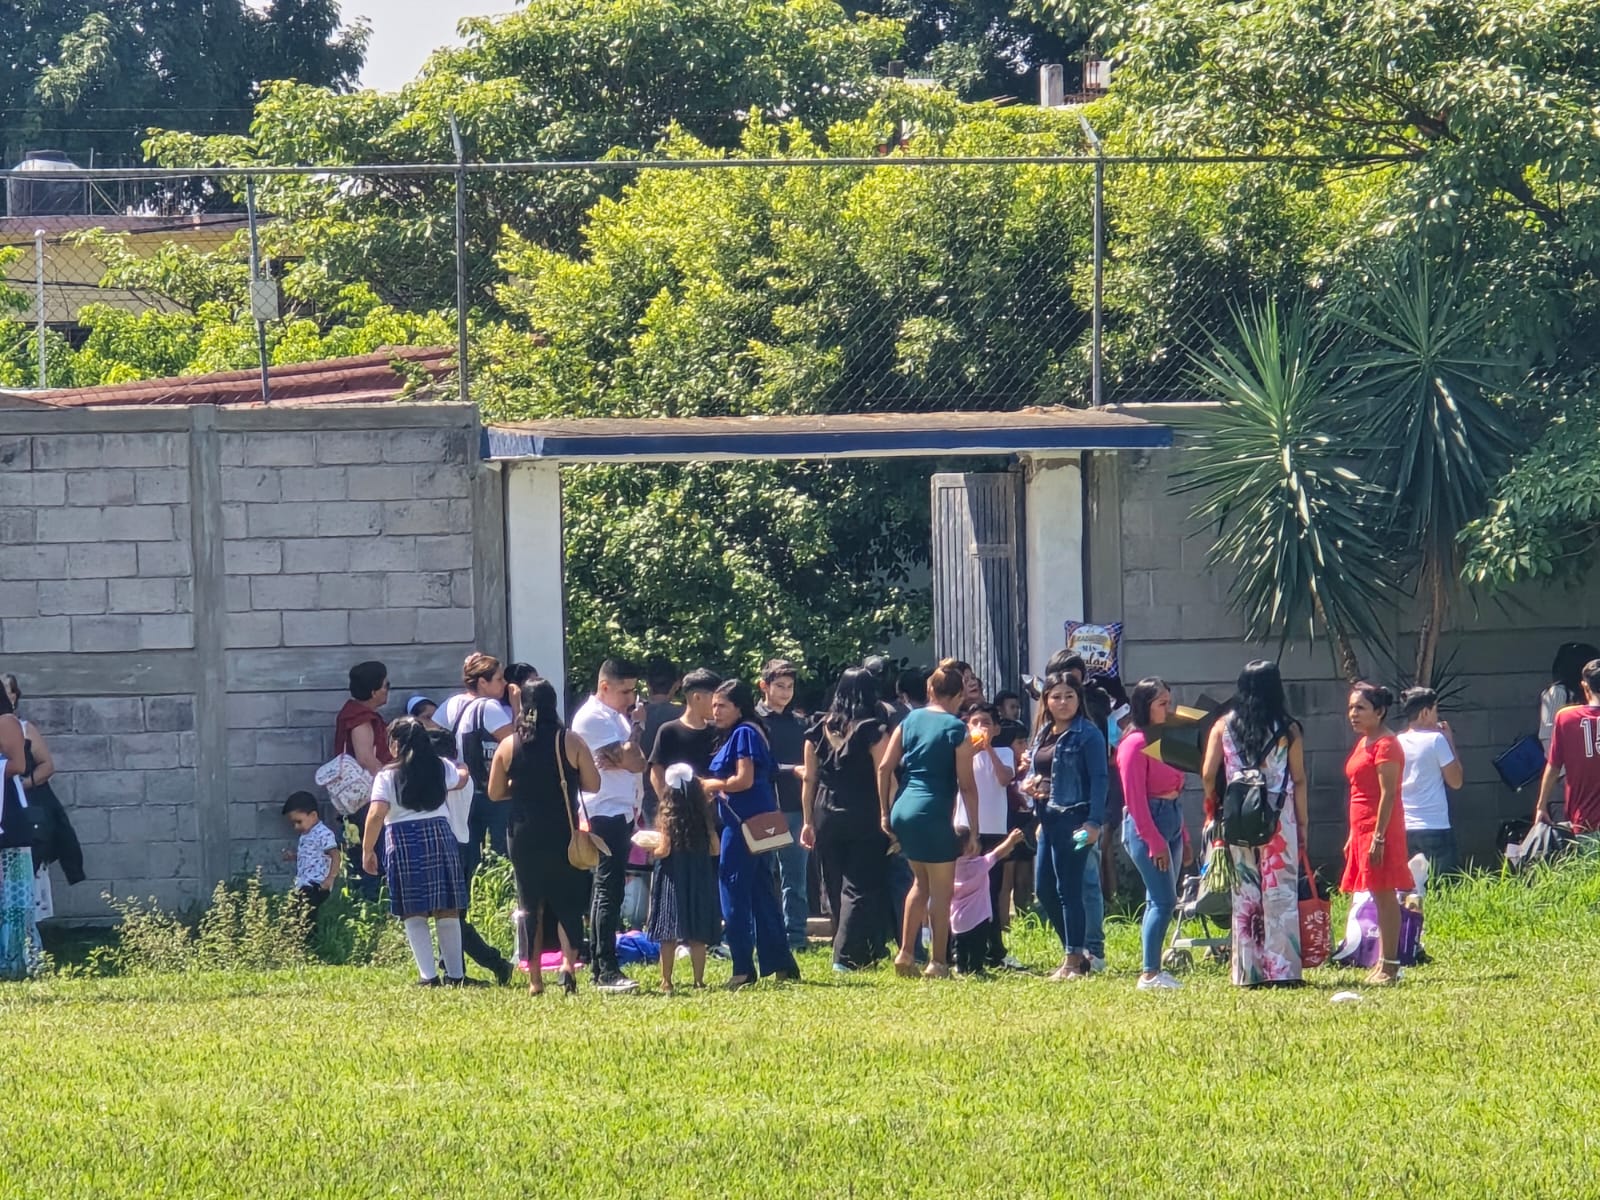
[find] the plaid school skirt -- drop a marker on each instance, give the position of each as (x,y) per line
(424,867)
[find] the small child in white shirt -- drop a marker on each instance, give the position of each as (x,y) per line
(316,854)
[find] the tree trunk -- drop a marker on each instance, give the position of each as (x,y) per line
(1435,593)
(1344,650)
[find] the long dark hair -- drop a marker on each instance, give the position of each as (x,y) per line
(743,697)
(1043,721)
(1145,693)
(1260,711)
(418,765)
(539,719)
(686,818)
(1567,669)
(855,699)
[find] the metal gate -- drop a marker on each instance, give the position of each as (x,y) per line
(978,603)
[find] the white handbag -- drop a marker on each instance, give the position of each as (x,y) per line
(348,783)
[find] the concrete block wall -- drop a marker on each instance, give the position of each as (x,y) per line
(1147,568)
(183,592)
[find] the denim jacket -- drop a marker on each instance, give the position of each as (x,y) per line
(1078,775)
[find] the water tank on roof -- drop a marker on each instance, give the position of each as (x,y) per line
(46,187)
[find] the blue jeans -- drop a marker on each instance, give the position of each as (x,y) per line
(1440,847)
(791,867)
(1160,887)
(1059,870)
(1094,902)
(750,911)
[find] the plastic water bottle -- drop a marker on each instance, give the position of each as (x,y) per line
(1081,838)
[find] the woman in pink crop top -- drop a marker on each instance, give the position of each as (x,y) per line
(1152,825)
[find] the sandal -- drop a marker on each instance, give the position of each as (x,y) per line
(1382,976)
(936,971)
(739,982)
(906,970)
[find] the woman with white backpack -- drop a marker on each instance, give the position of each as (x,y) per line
(1258,742)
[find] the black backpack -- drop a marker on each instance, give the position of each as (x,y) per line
(1250,810)
(475,757)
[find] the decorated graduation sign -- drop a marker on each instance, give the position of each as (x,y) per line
(1098,645)
(1181,740)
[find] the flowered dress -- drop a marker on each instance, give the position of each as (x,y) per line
(19,931)
(1266,900)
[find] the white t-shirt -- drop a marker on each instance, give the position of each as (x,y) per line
(311,862)
(993,806)
(494,716)
(600,726)
(386,790)
(1422,790)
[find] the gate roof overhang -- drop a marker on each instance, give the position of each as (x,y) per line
(843,435)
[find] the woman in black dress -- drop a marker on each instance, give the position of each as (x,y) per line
(540,769)
(843,822)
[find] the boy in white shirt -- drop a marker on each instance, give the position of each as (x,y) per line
(1432,765)
(992,768)
(316,853)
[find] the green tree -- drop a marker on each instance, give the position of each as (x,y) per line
(204,322)
(90,77)
(1300,528)
(983,49)
(565,80)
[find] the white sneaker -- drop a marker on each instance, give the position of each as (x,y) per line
(1012,963)
(1096,964)
(1162,982)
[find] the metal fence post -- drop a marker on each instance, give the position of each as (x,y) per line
(461,256)
(38,302)
(255,277)
(1097,316)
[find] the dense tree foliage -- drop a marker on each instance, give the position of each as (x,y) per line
(91,77)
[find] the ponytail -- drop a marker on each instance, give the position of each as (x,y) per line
(420,770)
(539,718)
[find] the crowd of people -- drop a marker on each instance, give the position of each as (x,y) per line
(920,814)
(914,811)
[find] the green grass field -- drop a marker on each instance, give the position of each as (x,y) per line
(1475,1077)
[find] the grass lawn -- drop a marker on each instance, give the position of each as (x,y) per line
(1475,1077)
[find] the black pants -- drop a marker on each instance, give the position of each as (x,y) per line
(995,951)
(855,874)
(969,951)
(478,950)
(610,881)
(314,897)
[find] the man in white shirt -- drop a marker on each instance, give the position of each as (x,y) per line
(479,716)
(608,724)
(1432,764)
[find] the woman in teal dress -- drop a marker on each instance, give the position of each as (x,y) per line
(931,747)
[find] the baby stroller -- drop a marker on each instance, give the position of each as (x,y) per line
(1213,911)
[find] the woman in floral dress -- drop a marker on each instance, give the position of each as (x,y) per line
(1259,733)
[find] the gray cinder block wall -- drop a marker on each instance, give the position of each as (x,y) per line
(1148,568)
(183,591)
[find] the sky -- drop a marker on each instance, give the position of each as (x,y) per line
(405,32)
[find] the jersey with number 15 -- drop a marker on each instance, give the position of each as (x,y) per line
(1575,748)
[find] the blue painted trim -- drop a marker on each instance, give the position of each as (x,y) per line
(509,443)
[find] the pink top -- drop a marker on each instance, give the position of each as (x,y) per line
(969,903)
(1143,777)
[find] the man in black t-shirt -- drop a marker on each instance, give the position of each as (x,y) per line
(662,678)
(787,733)
(691,738)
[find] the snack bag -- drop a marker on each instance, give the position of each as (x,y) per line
(1098,645)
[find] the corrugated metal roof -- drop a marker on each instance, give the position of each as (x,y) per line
(834,435)
(366,379)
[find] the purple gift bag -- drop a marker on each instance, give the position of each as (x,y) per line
(1360,945)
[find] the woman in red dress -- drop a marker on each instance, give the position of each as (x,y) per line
(1375,855)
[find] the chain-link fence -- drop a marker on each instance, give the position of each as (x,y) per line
(669,288)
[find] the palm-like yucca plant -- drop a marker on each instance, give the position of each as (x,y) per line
(1423,371)
(1298,526)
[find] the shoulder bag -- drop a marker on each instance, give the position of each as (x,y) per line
(1250,810)
(1316,922)
(583,852)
